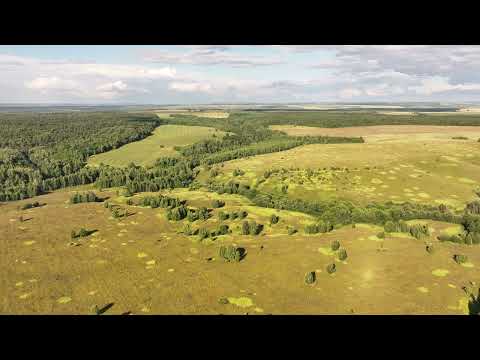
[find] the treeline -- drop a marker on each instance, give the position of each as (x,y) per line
(167,173)
(40,152)
(245,137)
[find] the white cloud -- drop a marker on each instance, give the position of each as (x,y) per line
(190,87)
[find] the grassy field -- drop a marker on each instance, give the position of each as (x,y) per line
(424,171)
(160,144)
(142,265)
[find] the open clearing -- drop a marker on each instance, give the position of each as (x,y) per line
(152,269)
(160,144)
(430,172)
(387,133)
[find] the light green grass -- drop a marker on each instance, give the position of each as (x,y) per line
(146,151)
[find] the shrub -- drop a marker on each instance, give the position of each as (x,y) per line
(274,219)
(223,229)
(245,228)
(418,231)
(243,214)
(310,277)
(331,268)
(187,229)
(213,173)
(311,229)
(203,233)
(335,245)
(291,230)
(222,216)
(342,254)
(460,259)
(324,226)
(231,253)
(473,207)
(238,172)
(218,204)
(177,214)
(255,228)
(284,188)
(381,235)
(129,202)
(390,227)
(403,226)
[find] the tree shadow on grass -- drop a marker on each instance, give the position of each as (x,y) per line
(100,311)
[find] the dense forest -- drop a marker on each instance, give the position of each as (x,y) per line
(40,152)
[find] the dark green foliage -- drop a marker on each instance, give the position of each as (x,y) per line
(310,277)
(452,238)
(198,214)
(291,230)
(274,219)
(238,172)
(118,212)
(214,173)
(203,233)
(83,198)
(320,227)
(187,230)
(243,214)
(473,207)
(223,230)
(129,202)
(331,268)
(233,215)
(30,205)
(418,231)
(231,253)
(342,254)
(41,152)
(177,214)
(255,228)
(284,188)
(218,204)
(222,216)
(460,259)
(81,233)
(245,228)
(335,245)
(390,227)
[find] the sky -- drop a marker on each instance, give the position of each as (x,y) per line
(203,74)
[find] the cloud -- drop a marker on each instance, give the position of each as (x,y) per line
(190,87)
(210,55)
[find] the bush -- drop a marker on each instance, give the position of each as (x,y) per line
(291,230)
(187,230)
(203,233)
(473,207)
(311,229)
(335,245)
(177,214)
(460,259)
(223,230)
(381,235)
(130,202)
(342,254)
(310,277)
(222,216)
(390,227)
(331,268)
(83,198)
(255,228)
(218,204)
(243,214)
(231,253)
(274,219)
(238,172)
(418,231)
(245,228)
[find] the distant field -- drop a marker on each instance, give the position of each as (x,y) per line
(384,133)
(429,172)
(145,152)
